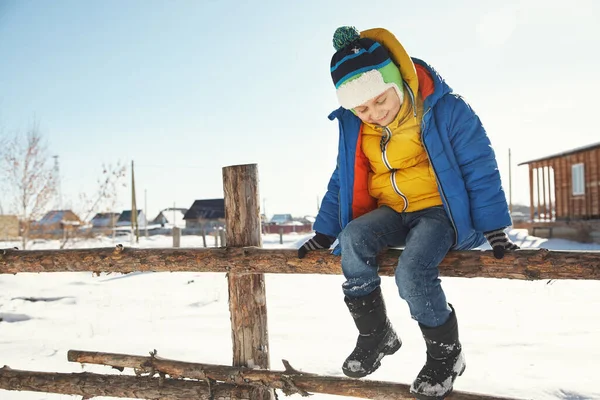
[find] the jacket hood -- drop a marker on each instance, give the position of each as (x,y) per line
(419,76)
(399,56)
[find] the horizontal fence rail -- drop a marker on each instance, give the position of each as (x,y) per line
(521,264)
(90,385)
(290,381)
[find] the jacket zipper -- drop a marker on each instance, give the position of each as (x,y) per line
(436,177)
(385,139)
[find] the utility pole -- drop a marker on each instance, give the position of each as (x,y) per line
(57,177)
(146,209)
(134,221)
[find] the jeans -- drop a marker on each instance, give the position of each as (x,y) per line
(426,235)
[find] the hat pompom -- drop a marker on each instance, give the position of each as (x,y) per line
(343,36)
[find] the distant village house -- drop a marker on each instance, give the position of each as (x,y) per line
(56,220)
(564,192)
(125,219)
(105,220)
(205,213)
(172,217)
(285,223)
(9,227)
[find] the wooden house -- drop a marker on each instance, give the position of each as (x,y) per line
(160,219)
(285,223)
(564,192)
(57,220)
(105,220)
(9,227)
(125,219)
(281,219)
(205,213)
(170,217)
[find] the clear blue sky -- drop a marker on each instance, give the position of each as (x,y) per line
(185,88)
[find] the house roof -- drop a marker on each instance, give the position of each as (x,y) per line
(171,217)
(57,216)
(126,215)
(105,215)
(206,209)
(564,153)
(160,218)
(105,219)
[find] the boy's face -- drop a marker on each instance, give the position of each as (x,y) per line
(380,110)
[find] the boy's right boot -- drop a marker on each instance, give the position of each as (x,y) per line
(376,335)
(445,361)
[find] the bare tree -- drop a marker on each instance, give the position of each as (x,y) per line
(30,180)
(2,177)
(104,198)
(110,180)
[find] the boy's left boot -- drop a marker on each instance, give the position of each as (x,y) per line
(445,361)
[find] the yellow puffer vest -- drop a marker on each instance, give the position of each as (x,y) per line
(401,176)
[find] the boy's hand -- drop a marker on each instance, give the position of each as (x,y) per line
(500,242)
(319,241)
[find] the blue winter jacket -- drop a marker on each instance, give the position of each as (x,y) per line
(461,156)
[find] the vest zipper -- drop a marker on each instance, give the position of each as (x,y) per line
(385,139)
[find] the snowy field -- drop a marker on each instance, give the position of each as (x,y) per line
(529,340)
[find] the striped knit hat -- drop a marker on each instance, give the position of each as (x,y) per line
(361,69)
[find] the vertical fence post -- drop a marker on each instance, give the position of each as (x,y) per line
(176,236)
(223,237)
(247,296)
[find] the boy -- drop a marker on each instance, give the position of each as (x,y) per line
(415,169)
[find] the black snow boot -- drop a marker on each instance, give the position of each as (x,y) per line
(445,361)
(376,336)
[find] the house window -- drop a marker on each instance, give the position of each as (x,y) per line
(578,179)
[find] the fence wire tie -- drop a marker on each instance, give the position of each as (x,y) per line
(289,387)
(147,367)
(161,378)
(211,395)
(237,378)
(118,249)
(202,375)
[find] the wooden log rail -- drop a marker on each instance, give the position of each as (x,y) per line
(200,381)
(521,264)
(90,385)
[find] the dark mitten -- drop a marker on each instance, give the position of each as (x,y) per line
(500,242)
(319,241)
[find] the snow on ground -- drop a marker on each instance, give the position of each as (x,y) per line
(529,340)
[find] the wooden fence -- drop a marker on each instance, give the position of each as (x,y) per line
(245,262)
